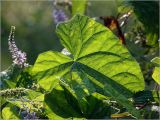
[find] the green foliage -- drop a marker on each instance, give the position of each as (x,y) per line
(9,113)
(78,6)
(81,85)
(9,77)
(142,23)
(15,83)
(95,51)
(156,72)
(156,61)
(95,78)
(147,13)
(62,103)
(15,77)
(146,96)
(97,48)
(7,82)
(57,106)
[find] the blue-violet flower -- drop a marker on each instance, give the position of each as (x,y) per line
(19,57)
(59,16)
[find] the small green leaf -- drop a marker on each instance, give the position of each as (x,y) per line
(120,115)
(156,61)
(156,75)
(78,6)
(9,113)
(34,95)
(156,72)
(156,96)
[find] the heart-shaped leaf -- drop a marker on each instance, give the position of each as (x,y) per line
(93,45)
(98,63)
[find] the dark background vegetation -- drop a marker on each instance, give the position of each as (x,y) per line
(35,29)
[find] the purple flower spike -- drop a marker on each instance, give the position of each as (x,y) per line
(19,57)
(59,16)
(31,116)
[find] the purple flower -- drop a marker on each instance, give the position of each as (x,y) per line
(30,116)
(19,57)
(59,16)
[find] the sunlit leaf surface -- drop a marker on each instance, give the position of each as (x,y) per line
(98,63)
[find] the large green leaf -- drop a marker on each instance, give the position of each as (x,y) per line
(98,59)
(94,45)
